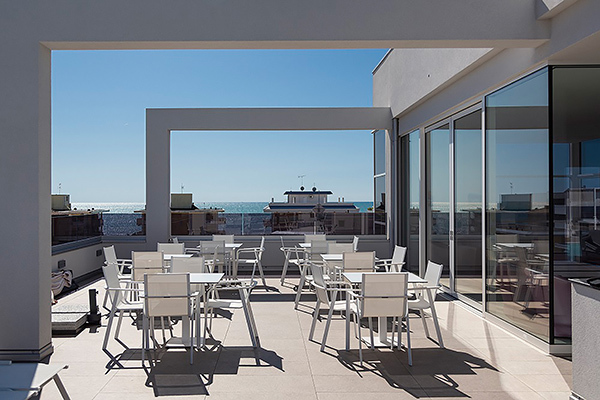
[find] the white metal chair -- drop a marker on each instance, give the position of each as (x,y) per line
(120,304)
(308,238)
(147,262)
(228,239)
(168,295)
(123,264)
(383,295)
(256,261)
(214,253)
(313,254)
(395,263)
(363,261)
(326,296)
(432,276)
(288,253)
(339,248)
(171,248)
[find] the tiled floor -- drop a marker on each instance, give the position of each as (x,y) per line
(480,361)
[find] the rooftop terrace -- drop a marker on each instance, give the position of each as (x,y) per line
(480,361)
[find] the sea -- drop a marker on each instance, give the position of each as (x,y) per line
(120,219)
(229,207)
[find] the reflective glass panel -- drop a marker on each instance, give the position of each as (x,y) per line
(379,151)
(410,199)
(576,185)
(438,198)
(517,203)
(467,205)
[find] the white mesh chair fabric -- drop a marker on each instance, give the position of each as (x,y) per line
(167,295)
(339,248)
(228,239)
(363,261)
(147,262)
(384,295)
(171,248)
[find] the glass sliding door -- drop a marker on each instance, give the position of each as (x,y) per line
(517,204)
(410,184)
(437,175)
(468,161)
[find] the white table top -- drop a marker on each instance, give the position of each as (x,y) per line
(169,257)
(524,245)
(332,257)
(206,278)
(356,277)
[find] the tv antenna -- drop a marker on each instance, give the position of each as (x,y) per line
(301,177)
(182,187)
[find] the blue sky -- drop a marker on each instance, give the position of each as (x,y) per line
(98,114)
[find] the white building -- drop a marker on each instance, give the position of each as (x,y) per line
(476,100)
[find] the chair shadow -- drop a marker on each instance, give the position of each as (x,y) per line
(171,374)
(431,373)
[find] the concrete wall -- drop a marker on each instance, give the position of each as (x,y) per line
(586,331)
(420,84)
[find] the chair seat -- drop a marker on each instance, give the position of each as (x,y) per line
(419,304)
(224,304)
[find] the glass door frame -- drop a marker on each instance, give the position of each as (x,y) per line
(449,120)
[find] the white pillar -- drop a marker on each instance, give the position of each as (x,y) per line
(25,231)
(158,178)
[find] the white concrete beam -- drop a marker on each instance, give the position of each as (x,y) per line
(154,24)
(160,123)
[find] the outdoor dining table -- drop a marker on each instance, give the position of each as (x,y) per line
(382,339)
(200,278)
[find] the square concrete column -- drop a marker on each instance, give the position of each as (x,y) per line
(25,231)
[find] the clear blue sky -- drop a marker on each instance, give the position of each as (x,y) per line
(98,115)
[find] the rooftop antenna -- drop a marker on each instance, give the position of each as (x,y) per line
(511,187)
(182,188)
(59,187)
(301,179)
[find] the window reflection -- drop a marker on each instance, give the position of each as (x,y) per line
(576,185)
(467,205)
(517,209)
(438,198)
(410,199)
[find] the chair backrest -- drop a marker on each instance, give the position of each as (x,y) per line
(228,239)
(167,295)
(355,244)
(363,261)
(111,276)
(398,258)
(193,264)
(319,282)
(317,248)
(384,294)
(110,255)
(339,248)
(147,262)
(213,250)
(433,273)
(262,248)
(309,238)
(171,248)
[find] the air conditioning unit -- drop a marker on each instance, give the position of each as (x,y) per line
(60,202)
